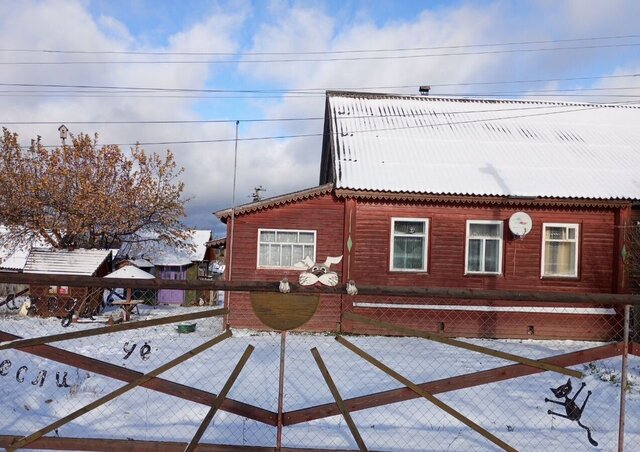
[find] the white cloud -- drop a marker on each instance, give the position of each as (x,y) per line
(284,165)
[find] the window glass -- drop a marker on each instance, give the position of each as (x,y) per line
(284,248)
(264,255)
(560,250)
(409,245)
(285,258)
(475,251)
(409,227)
(287,237)
(484,246)
(307,237)
(268,236)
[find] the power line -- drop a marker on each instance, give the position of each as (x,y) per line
(318,60)
(309,135)
(546,105)
(318,52)
(559,92)
(312,90)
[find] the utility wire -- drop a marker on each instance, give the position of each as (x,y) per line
(557,93)
(547,105)
(313,90)
(322,90)
(308,135)
(318,52)
(319,60)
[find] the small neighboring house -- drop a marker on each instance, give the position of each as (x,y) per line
(59,300)
(174,263)
(419,191)
(14,260)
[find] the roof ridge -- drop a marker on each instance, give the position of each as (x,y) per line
(373,95)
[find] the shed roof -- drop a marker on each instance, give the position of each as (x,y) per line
(422,144)
(130,271)
(65,262)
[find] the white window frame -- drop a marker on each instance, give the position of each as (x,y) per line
(426,244)
(281,267)
(500,223)
(575,226)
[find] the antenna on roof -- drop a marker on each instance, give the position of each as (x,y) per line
(424,90)
(256,193)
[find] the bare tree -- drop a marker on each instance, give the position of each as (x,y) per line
(85,195)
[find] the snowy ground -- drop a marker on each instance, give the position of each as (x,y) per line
(513,410)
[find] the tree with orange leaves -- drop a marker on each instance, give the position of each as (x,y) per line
(86,195)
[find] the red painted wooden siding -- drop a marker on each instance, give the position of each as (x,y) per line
(323,214)
(369,264)
(447,238)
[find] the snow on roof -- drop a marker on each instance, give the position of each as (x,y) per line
(15,261)
(130,271)
(483,147)
(15,258)
(141,263)
(68,262)
(199,238)
(159,253)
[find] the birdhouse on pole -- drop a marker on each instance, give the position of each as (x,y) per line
(63,133)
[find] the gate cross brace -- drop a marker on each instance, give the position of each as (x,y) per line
(425,394)
(123,389)
(336,395)
(221,396)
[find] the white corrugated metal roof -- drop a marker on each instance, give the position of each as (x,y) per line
(65,262)
(15,261)
(422,144)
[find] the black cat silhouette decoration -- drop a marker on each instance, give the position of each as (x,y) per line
(574,412)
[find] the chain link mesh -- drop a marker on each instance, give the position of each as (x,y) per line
(503,397)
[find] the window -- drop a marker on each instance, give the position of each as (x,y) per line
(560,250)
(409,244)
(282,248)
(484,247)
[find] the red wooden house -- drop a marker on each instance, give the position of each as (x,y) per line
(419,191)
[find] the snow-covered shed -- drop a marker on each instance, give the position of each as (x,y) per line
(420,191)
(59,300)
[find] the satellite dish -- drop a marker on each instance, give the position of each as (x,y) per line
(520,224)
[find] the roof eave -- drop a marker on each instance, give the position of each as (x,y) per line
(223,215)
(449,198)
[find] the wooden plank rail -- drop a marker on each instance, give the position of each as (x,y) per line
(261,286)
(20,343)
(450,384)
(425,394)
(465,345)
(157,384)
(132,445)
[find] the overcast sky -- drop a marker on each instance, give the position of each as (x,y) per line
(186,48)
